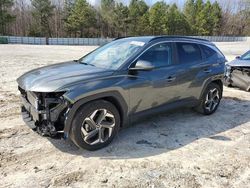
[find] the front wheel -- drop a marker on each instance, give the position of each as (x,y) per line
(210,99)
(95,125)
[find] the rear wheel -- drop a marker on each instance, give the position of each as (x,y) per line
(210,99)
(95,125)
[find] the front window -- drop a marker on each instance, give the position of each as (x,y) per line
(114,54)
(159,55)
(246,56)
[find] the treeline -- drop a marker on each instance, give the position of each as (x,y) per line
(77,18)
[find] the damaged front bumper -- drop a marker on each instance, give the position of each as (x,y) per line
(44,113)
(237,76)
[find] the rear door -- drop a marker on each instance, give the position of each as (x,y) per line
(192,69)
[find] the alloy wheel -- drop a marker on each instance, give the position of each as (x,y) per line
(212,99)
(98,126)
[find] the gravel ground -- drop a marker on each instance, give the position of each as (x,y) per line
(177,149)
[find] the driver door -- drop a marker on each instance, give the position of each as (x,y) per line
(158,86)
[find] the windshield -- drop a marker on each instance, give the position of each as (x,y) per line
(246,56)
(114,54)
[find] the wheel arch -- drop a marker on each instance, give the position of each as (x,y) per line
(114,97)
(219,83)
(216,80)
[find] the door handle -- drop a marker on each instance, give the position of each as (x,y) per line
(207,70)
(170,78)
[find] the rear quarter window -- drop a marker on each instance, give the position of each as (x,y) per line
(208,52)
(188,52)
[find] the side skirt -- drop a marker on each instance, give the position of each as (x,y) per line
(139,116)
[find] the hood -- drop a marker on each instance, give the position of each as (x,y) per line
(57,77)
(239,63)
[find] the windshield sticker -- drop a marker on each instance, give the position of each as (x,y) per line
(137,43)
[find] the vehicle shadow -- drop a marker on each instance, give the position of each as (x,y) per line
(168,131)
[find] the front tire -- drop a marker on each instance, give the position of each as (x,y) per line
(210,99)
(95,125)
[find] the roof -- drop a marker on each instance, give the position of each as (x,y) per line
(179,37)
(168,37)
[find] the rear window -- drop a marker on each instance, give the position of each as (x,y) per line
(208,52)
(188,52)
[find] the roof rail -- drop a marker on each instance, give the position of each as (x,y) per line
(179,37)
(121,37)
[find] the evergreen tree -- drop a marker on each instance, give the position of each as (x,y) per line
(121,19)
(190,14)
(203,18)
(144,27)
(81,18)
(107,13)
(42,12)
(68,6)
(177,22)
(216,15)
(5,16)
(158,18)
(204,23)
(137,8)
(111,19)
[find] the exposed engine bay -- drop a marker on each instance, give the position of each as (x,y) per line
(239,77)
(44,112)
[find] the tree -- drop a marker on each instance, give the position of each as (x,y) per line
(203,24)
(144,27)
(5,16)
(158,18)
(81,18)
(177,22)
(190,14)
(137,8)
(73,18)
(203,18)
(121,19)
(216,15)
(107,11)
(242,18)
(57,21)
(42,13)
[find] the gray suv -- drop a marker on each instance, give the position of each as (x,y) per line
(90,99)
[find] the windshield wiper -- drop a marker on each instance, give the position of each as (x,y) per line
(83,62)
(87,64)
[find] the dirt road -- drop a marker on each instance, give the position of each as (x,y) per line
(177,149)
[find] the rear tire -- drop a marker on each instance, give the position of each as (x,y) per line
(210,99)
(95,125)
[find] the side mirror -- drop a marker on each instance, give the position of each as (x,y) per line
(237,57)
(142,66)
